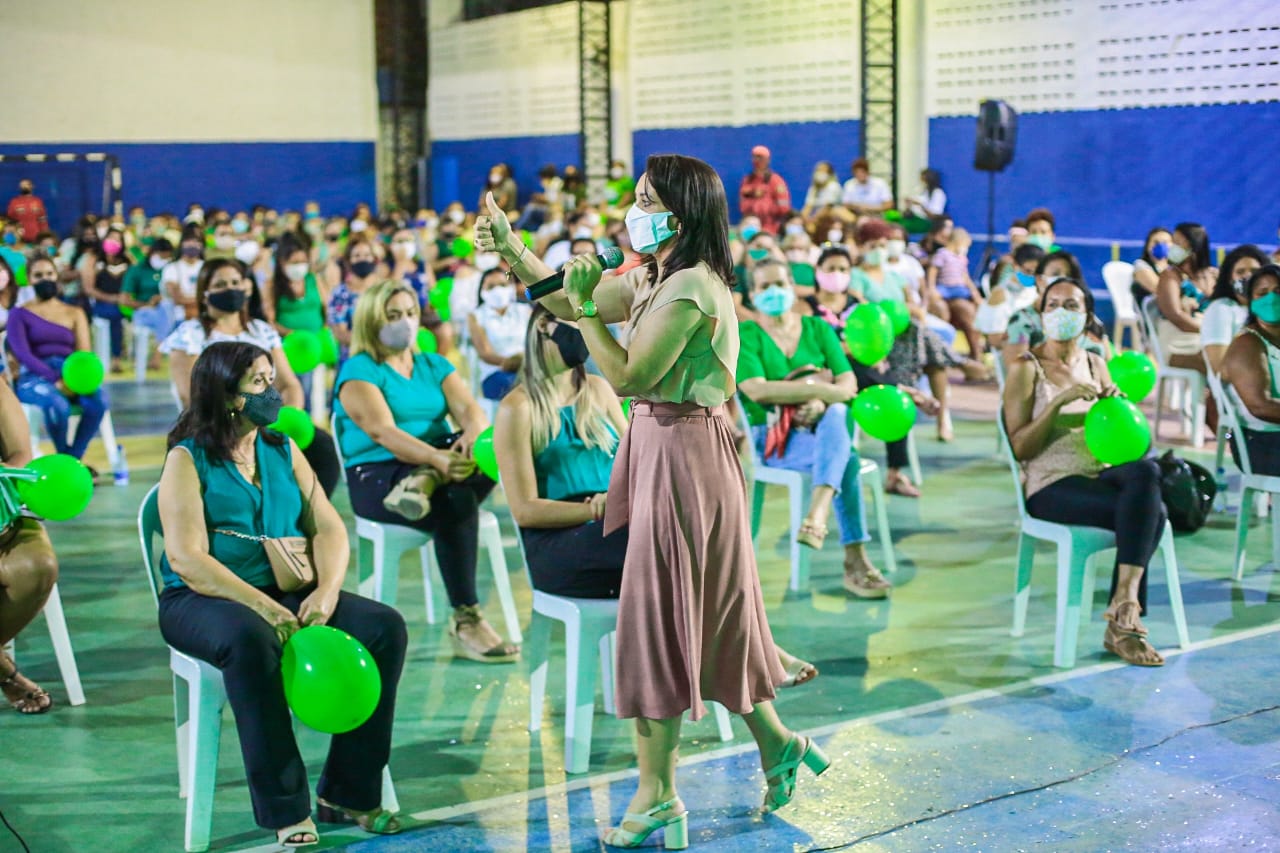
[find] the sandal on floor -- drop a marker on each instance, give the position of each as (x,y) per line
(811,535)
(377,822)
(470,615)
(1132,625)
(675,829)
(782,776)
(1130,648)
(301,834)
(37,701)
(901,485)
(800,672)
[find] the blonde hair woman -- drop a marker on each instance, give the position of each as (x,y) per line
(405,464)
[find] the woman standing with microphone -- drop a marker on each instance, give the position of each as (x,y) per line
(691,619)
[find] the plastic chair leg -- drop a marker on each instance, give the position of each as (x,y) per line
(799,554)
(141,349)
(724,725)
(204,723)
(57,621)
(491,540)
(580,697)
(1275,536)
(389,800)
(1070,586)
(882,520)
(1161,385)
(1242,529)
(377,579)
(757,507)
(181,728)
(1169,557)
(107,432)
(1089,587)
(426,556)
(608,648)
(1022,583)
(913,459)
(536,653)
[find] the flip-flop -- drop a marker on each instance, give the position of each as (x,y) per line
(800,672)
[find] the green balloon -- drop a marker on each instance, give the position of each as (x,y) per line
(438,297)
(885,412)
(62,490)
(127,311)
(482,452)
(1116,431)
(328,347)
(869,334)
(899,316)
(303,350)
(82,372)
(427,341)
(296,424)
(526,238)
(461,247)
(626,407)
(1134,373)
(331,681)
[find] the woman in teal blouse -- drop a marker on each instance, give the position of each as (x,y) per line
(221,603)
(405,465)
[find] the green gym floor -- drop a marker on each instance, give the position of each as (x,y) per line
(103,776)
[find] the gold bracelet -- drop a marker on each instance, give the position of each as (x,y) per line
(511,271)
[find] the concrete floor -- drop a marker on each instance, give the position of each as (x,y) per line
(926,702)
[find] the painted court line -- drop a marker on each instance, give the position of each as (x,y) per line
(520,798)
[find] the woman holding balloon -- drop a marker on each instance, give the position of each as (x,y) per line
(43,335)
(795,367)
(225,482)
(223,291)
(1047,393)
(405,465)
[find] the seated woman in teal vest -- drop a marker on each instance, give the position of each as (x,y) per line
(221,603)
(555,437)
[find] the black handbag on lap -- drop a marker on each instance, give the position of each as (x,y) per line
(1188,491)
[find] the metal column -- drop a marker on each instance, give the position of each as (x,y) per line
(401,46)
(880,89)
(595,101)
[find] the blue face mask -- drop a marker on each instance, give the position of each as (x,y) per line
(1267,307)
(774,301)
(1160,251)
(1025,279)
(748,232)
(10,238)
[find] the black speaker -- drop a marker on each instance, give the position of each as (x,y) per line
(997,136)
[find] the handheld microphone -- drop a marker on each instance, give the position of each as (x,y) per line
(611,259)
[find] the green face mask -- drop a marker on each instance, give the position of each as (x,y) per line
(1043,241)
(1267,307)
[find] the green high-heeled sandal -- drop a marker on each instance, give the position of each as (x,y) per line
(782,776)
(675,829)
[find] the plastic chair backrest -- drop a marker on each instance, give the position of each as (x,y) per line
(744,423)
(1014,468)
(999,369)
(1229,410)
(151,538)
(1118,276)
(1150,320)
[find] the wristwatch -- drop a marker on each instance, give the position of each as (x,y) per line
(588,309)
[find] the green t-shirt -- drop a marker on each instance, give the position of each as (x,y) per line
(760,358)
(141,282)
(417,403)
(891,285)
(305,314)
(17,262)
(615,190)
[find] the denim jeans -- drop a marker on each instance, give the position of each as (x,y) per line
(38,391)
(828,456)
(157,318)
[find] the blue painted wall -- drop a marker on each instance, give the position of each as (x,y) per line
(795,149)
(1117,173)
(460,167)
(235,175)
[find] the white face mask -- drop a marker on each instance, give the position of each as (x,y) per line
(648,230)
(404,251)
(616,172)
(296,272)
(1060,324)
(457,217)
(486,261)
(158,263)
(358,225)
(224,242)
(1178,254)
(247,252)
(499,297)
(895,248)
(835,235)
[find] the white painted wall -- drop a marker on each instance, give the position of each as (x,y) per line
(198,70)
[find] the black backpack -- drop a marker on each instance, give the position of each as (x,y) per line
(1188,491)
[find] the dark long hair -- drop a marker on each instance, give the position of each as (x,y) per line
(247,312)
(1223,288)
(1194,233)
(1146,244)
(280,283)
(694,194)
(215,384)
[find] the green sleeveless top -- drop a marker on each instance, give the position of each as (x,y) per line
(233,503)
(566,467)
(305,314)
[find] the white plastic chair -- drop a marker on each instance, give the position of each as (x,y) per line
(1118,276)
(56,620)
(390,541)
(1251,484)
(1078,546)
(798,488)
(199,696)
(1192,381)
(913,455)
(141,351)
(106,431)
(1215,391)
(588,623)
(100,334)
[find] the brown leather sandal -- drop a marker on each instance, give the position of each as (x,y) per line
(1125,618)
(811,535)
(1131,648)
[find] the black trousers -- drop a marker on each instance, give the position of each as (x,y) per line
(578,562)
(454,520)
(1125,498)
(323,458)
(1264,451)
(895,452)
(239,642)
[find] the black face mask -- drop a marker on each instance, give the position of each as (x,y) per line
(363,269)
(190,251)
(46,289)
(229,301)
(262,409)
(571,344)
